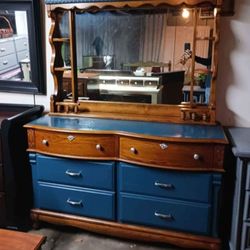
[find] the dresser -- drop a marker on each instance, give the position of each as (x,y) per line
(133,179)
(12,51)
(15,178)
(240,139)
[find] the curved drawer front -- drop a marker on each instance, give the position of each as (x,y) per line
(90,174)
(172,184)
(75,144)
(85,202)
(179,155)
(164,213)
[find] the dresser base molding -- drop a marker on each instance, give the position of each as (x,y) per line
(127,231)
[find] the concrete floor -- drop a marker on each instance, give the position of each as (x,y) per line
(64,238)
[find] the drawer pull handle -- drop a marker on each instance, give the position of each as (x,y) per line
(74,174)
(133,150)
(2,49)
(164,185)
(164,216)
(196,157)
(45,142)
(163,145)
(5,62)
(71,138)
(74,203)
(98,147)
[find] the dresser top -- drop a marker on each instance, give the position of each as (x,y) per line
(240,140)
(155,129)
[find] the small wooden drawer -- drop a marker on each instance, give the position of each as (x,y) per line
(164,154)
(75,144)
(91,174)
(165,213)
(163,183)
(77,201)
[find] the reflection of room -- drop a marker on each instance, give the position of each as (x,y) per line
(123,42)
(14,53)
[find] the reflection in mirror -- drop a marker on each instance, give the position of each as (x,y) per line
(141,56)
(14,46)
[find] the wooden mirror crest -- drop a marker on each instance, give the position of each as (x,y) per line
(146,60)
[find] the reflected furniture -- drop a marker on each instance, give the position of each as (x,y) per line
(12,51)
(15,178)
(240,233)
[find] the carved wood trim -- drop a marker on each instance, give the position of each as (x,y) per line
(128,231)
(31,138)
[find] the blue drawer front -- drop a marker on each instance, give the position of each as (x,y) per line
(165,213)
(90,174)
(77,201)
(172,184)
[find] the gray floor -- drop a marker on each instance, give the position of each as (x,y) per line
(64,238)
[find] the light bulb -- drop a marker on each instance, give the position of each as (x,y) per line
(185,13)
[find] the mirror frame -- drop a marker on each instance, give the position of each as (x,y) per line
(37,85)
(183,113)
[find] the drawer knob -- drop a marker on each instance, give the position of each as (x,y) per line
(2,49)
(164,185)
(163,146)
(71,138)
(196,157)
(45,142)
(73,174)
(98,147)
(164,216)
(133,150)
(5,62)
(74,203)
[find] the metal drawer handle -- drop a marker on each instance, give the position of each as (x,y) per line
(71,138)
(98,147)
(164,216)
(133,150)
(5,62)
(196,157)
(74,203)
(163,145)
(74,174)
(2,49)
(45,142)
(164,185)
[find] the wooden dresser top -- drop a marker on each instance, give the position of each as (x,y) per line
(211,133)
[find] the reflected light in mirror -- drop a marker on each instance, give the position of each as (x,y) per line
(185,13)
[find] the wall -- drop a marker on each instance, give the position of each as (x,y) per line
(233,88)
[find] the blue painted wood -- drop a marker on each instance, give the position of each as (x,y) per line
(240,140)
(181,185)
(91,174)
(184,216)
(136,127)
(77,201)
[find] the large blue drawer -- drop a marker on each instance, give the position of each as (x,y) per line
(163,183)
(77,201)
(90,174)
(164,213)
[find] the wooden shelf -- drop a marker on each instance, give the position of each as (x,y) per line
(62,68)
(61,40)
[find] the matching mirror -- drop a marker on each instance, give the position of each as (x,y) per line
(121,55)
(21,60)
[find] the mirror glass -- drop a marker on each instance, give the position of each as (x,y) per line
(141,56)
(14,46)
